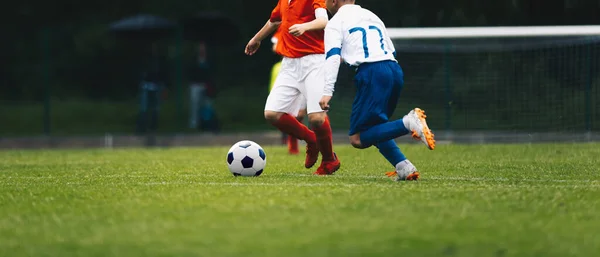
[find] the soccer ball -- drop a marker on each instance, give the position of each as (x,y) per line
(246,158)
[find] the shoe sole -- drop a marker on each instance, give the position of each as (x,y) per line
(429,136)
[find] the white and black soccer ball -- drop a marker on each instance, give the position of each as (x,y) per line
(246,158)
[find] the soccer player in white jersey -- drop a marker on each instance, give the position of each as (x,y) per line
(360,38)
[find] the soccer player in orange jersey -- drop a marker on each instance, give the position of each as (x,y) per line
(289,140)
(301,74)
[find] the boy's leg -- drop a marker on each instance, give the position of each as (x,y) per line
(389,149)
(277,111)
(405,170)
(289,125)
(414,121)
(330,162)
(292,142)
(383,132)
(313,86)
(282,100)
(378,89)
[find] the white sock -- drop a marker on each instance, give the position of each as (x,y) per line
(406,122)
(404,164)
(405,168)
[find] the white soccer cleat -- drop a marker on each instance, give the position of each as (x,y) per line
(415,122)
(405,170)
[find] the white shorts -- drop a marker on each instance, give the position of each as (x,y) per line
(298,85)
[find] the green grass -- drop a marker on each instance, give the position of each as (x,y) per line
(478,200)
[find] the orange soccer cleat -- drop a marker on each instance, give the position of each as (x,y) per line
(328,167)
(394,175)
(417,123)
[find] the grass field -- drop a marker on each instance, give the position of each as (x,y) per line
(475,200)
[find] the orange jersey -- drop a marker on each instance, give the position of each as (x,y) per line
(296,12)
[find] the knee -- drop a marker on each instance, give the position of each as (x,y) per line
(301,115)
(272,116)
(316,119)
(355,142)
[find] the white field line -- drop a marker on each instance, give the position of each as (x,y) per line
(262,184)
(334,183)
(390,185)
(205,183)
(462,178)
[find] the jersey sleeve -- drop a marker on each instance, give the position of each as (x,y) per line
(276,13)
(333,50)
(319,4)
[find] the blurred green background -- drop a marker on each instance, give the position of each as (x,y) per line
(62,72)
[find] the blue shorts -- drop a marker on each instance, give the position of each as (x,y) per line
(378,87)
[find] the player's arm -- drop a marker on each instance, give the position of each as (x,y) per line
(269,28)
(333,50)
(318,23)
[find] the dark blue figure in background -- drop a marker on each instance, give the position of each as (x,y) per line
(201,74)
(152,87)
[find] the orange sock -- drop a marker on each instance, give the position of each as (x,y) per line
(290,125)
(324,140)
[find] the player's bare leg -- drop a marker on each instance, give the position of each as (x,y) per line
(290,125)
(355,141)
(319,122)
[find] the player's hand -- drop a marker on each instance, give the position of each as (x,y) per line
(324,103)
(252,46)
(297,29)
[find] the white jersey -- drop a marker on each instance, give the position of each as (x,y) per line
(358,36)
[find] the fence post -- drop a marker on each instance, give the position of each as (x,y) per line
(448,86)
(45,45)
